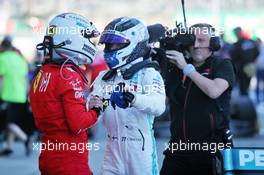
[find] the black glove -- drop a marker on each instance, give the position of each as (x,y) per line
(128,96)
(101,109)
(97,110)
(105,104)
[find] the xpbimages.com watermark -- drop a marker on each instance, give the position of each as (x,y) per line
(192,146)
(65,146)
(59,30)
(146,89)
(207,30)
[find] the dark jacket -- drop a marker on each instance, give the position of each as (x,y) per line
(195,117)
(244,51)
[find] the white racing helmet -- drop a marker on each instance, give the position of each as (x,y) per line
(133,36)
(70,34)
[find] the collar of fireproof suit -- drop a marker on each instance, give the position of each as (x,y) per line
(127,66)
(112,72)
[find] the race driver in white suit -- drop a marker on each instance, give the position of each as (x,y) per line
(135,93)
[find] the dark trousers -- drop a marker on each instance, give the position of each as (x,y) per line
(188,164)
(244,82)
(259,90)
(2,116)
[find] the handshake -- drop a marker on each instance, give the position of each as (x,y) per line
(120,97)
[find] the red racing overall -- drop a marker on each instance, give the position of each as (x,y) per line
(58,104)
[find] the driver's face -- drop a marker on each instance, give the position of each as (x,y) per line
(200,51)
(114,46)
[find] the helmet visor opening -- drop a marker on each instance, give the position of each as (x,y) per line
(113,39)
(110,47)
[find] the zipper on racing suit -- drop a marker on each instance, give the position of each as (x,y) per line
(184,111)
(212,123)
(143,139)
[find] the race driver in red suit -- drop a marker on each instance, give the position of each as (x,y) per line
(57,97)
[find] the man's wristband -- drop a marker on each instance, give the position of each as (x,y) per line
(188,69)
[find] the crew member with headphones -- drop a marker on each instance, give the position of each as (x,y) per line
(199,91)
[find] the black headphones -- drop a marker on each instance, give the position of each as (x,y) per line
(214,44)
